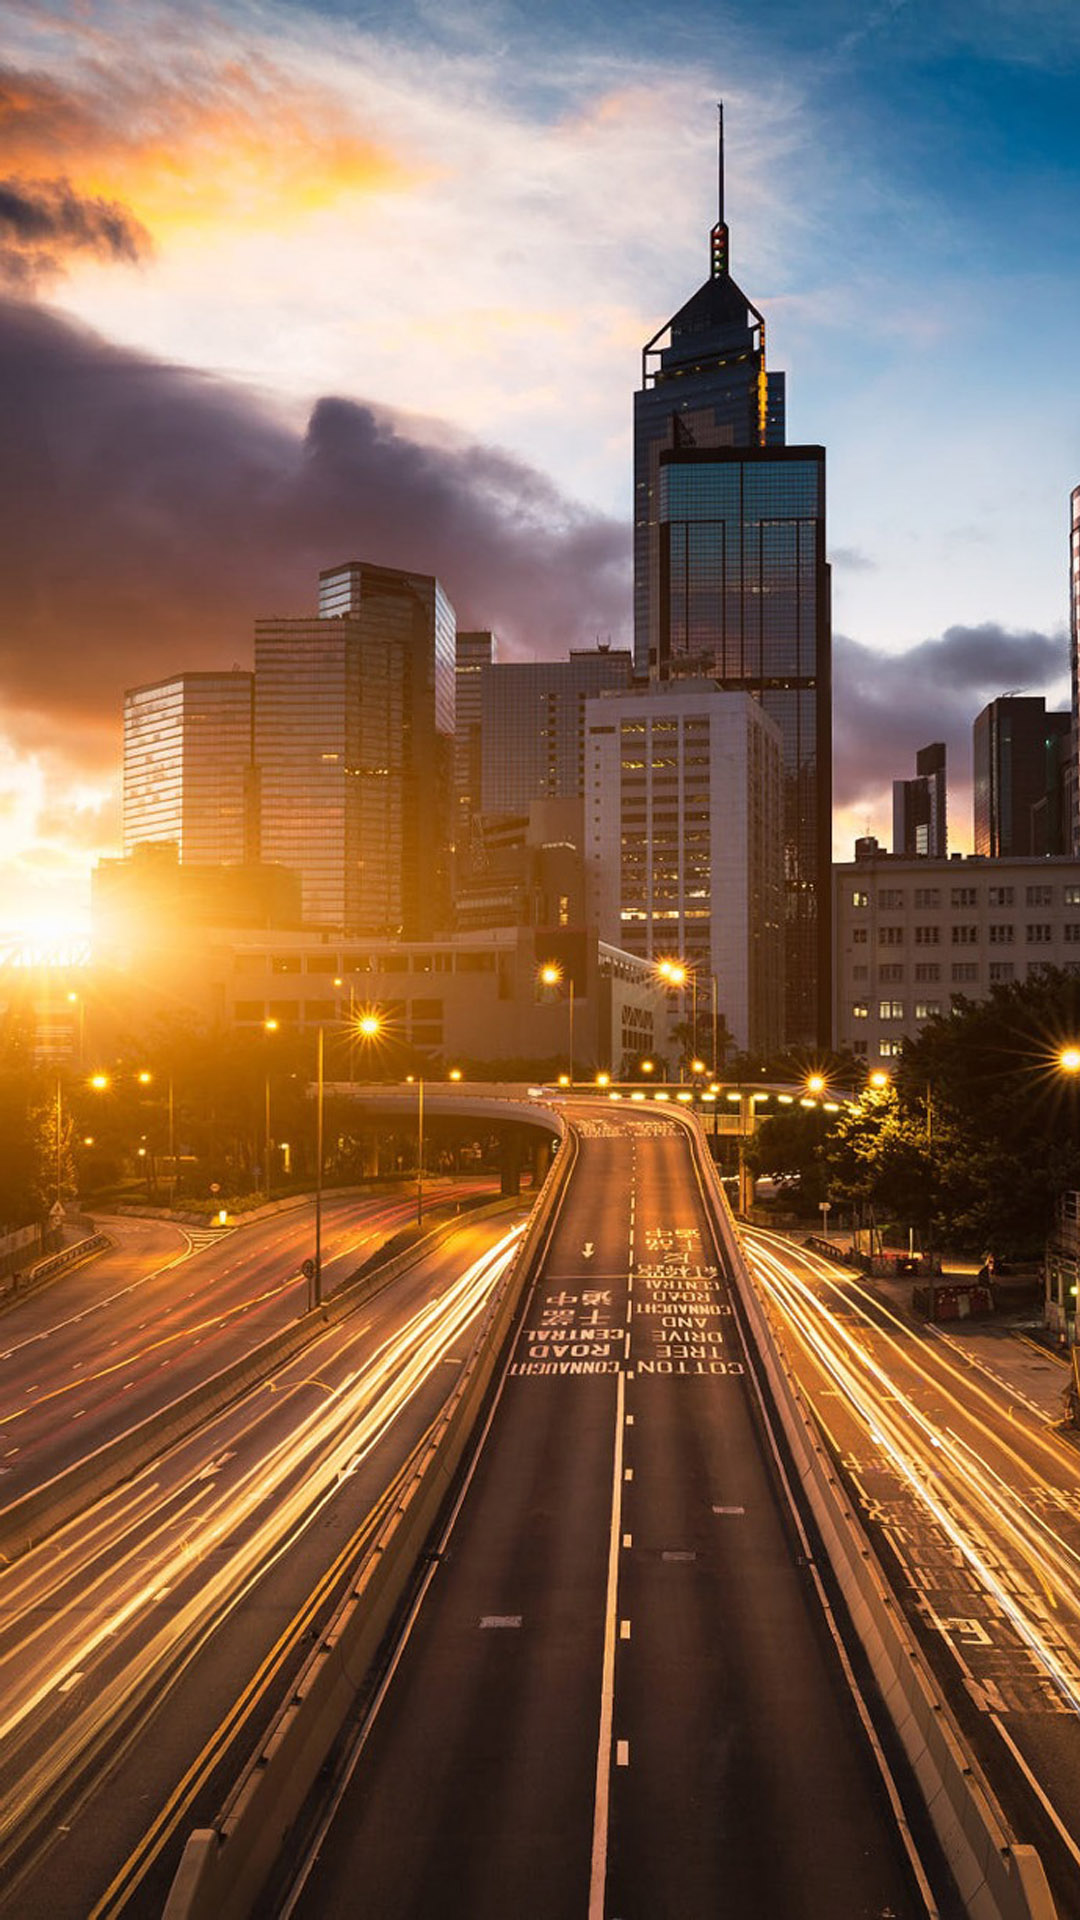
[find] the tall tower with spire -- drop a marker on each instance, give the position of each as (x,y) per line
(704,383)
(731,582)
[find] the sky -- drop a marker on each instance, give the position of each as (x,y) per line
(283,285)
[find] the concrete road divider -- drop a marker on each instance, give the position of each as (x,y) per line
(998,1878)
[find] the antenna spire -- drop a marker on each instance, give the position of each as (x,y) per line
(718,239)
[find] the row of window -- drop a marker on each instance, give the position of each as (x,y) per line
(894,899)
(1037,933)
(339,966)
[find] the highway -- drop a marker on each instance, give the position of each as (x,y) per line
(108,1343)
(622,1694)
(143,1645)
(948,1441)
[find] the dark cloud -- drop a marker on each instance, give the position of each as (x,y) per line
(149,513)
(42,221)
(887,706)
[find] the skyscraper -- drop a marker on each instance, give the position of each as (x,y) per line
(1072,782)
(919,812)
(188,767)
(683,807)
(704,383)
(354,719)
(731,580)
(1019,777)
(533,726)
(473,652)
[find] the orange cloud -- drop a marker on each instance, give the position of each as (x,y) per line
(206,145)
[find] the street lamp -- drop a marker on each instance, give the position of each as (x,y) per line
(551,976)
(269,1026)
(677,974)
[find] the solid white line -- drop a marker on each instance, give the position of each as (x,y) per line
(1062,1830)
(601,1800)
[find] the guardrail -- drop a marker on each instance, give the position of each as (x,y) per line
(225,1867)
(28,1520)
(998,1878)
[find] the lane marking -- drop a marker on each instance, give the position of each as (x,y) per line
(500,1619)
(628,1473)
(601,1804)
(729,1509)
(628,1539)
(622,1753)
(624,1629)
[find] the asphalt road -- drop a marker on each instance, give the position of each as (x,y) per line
(949,1440)
(128,1637)
(164,1308)
(620,1695)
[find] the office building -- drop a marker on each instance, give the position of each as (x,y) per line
(473,652)
(1073,774)
(533,726)
(684,847)
(189,776)
(704,383)
(731,580)
(912,933)
(354,721)
(745,600)
(1072,782)
(1020,752)
(919,807)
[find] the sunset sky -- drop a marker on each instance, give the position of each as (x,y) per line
(284,285)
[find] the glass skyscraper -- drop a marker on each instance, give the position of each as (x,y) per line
(354,720)
(731,581)
(188,767)
(532,730)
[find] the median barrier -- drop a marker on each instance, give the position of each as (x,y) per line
(41,1511)
(225,1868)
(997,1878)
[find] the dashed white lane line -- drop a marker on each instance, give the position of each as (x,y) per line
(622,1753)
(624,1629)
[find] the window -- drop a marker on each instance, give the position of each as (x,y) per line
(1001,933)
(964,972)
(1039,897)
(860,1010)
(859,898)
(285,963)
(1039,933)
(892,898)
(927,970)
(890,1009)
(928,896)
(927,936)
(858,1046)
(890,1049)
(965,936)
(1003,897)
(322,963)
(863,972)
(890,936)
(926,1009)
(891,972)
(859,937)
(1071,896)
(250,1010)
(964,897)
(1000,972)
(1070,932)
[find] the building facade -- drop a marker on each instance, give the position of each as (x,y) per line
(189,775)
(354,721)
(473,652)
(704,383)
(744,599)
(1019,778)
(533,726)
(912,933)
(920,821)
(683,841)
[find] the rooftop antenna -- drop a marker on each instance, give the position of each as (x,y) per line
(718,239)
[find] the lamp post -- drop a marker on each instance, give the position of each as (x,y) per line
(551,976)
(678,975)
(315,1278)
(59,1124)
(269,1026)
(419,1149)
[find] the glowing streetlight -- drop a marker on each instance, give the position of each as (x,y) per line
(879,1079)
(551,975)
(1069,1059)
(603,1079)
(369,1026)
(455,1073)
(815,1083)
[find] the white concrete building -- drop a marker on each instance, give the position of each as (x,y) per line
(909,934)
(684,846)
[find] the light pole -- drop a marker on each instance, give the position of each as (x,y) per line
(315,1295)
(59,1123)
(269,1026)
(420,1150)
(551,976)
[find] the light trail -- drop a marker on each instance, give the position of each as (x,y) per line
(269,1502)
(977,1510)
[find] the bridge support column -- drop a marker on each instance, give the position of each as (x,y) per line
(369,1154)
(541,1162)
(510,1163)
